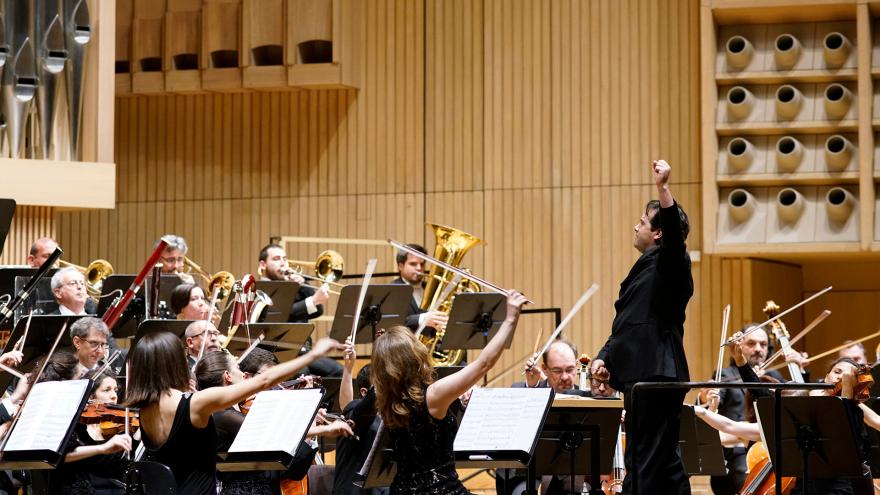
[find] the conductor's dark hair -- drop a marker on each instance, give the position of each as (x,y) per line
(158,364)
(264,253)
(402,255)
(652,210)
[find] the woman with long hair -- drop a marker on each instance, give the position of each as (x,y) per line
(176,423)
(416,409)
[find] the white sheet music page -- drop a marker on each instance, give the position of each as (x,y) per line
(277,421)
(46,417)
(502,419)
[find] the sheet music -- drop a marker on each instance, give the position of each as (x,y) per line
(502,419)
(50,409)
(277,421)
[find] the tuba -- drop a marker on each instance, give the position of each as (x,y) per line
(95,274)
(452,244)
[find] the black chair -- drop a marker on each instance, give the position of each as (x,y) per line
(149,478)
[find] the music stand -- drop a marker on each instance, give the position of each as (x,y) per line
(873,445)
(567,444)
(380,469)
(700,445)
(474,319)
(279,337)
(42,299)
(7,211)
(133,314)
(387,303)
(177,327)
(167,283)
(811,425)
(283,294)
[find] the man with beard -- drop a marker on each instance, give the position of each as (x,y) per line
(412,272)
(755,347)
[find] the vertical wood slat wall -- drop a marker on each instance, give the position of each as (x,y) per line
(529,123)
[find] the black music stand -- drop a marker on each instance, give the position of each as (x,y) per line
(167,283)
(700,445)
(278,337)
(283,294)
(134,313)
(567,445)
(378,470)
(873,446)
(41,335)
(177,327)
(7,211)
(474,319)
(388,304)
(42,299)
(817,437)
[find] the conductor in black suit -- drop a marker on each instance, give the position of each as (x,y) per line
(411,270)
(646,342)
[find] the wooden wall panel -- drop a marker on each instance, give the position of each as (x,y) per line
(528,123)
(28,224)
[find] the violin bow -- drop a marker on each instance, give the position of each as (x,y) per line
(813,324)
(443,296)
(207,320)
(739,336)
(725,321)
(250,348)
(368,273)
(574,309)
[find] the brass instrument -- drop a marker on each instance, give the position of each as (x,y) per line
(451,246)
(328,267)
(222,279)
(95,274)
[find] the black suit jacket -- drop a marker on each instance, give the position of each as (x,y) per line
(298,311)
(412,319)
(543,384)
(647,332)
(90,308)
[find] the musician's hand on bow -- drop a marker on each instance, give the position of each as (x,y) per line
(117,443)
(736,351)
(12,358)
(515,302)
(800,358)
(349,355)
(533,372)
(466,397)
(336,429)
(714,399)
(847,384)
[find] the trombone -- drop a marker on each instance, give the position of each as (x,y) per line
(328,269)
(222,279)
(94,274)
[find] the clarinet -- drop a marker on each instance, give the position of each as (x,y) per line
(114,313)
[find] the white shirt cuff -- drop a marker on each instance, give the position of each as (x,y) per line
(422,319)
(310,305)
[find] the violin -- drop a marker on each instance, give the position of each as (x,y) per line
(110,417)
(761,479)
(862,387)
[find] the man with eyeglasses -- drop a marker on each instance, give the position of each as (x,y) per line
(558,370)
(69,288)
(92,343)
(172,258)
(194,335)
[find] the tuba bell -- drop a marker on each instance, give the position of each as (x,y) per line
(94,274)
(452,244)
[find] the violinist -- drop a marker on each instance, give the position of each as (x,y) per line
(84,455)
(351,452)
(730,403)
(856,352)
(177,428)
(91,342)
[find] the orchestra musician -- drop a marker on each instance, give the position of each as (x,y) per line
(416,409)
(219,369)
(411,271)
(193,336)
(69,288)
(40,251)
(558,368)
(646,342)
(92,343)
(173,257)
(177,428)
(308,304)
(188,302)
(856,352)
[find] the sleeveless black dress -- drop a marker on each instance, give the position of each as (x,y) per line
(423,453)
(190,452)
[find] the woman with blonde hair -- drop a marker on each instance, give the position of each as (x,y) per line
(416,409)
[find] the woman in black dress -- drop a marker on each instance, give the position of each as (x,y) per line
(176,424)
(415,408)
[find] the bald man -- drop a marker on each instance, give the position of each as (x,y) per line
(195,333)
(40,251)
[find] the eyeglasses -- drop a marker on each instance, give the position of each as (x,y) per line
(213,333)
(75,283)
(173,260)
(97,343)
(595,382)
(558,371)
